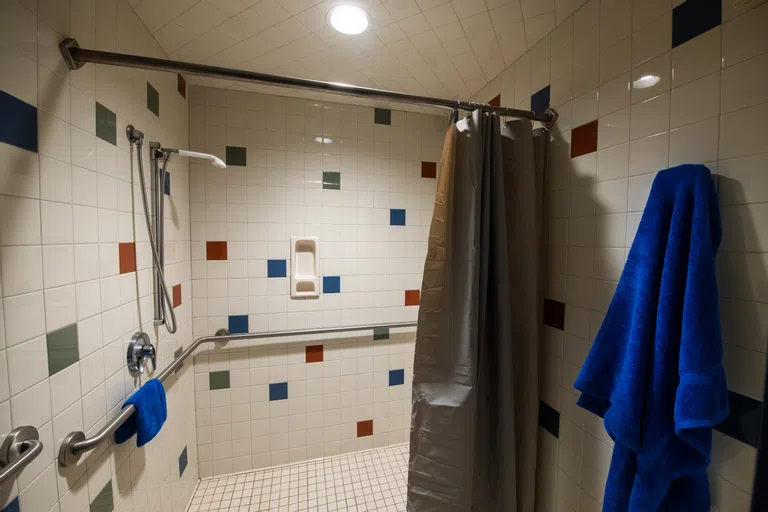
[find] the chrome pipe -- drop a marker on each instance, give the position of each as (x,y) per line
(155,155)
(75,443)
(19,448)
(77,57)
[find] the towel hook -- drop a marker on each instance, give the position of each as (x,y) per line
(139,349)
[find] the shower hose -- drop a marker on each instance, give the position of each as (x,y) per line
(166,306)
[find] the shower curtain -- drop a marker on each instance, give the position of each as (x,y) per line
(475,385)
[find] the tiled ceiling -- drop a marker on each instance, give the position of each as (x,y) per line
(445,48)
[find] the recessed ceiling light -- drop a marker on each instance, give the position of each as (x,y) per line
(348,19)
(323,140)
(646,81)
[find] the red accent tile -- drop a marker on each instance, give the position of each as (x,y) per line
(553,314)
(365,428)
(428,169)
(496,102)
(412,297)
(127,253)
(182,86)
(177,295)
(584,139)
(216,250)
(314,354)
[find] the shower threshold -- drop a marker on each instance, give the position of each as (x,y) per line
(371,480)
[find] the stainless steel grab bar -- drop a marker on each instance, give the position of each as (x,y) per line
(19,448)
(75,443)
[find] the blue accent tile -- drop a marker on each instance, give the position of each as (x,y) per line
(183,462)
(396,217)
(276,268)
(540,100)
(396,377)
(18,122)
(278,391)
(331,284)
(693,18)
(12,506)
(167,184)
(743,421)
(238,323)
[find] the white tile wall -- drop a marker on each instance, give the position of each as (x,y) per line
(63,212)
(708,106)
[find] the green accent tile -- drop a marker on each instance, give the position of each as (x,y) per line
(236,156)
(219,380)
(382,116)
(331,180)
(381,333)
(62,348)
(153,100)
(104,502)
(106,124)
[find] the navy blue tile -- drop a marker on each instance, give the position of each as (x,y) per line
(12,506)
(759,489)
(331,284)
(278,391)
(238,323)
(549,418)
(396,217)
(540,100)
(276,268)
(183,462)
(396,377)
(167,184)
(18,122)
(693,18)
(743,421)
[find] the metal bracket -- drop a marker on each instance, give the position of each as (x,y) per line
(65,47)
(139,349)
(552,116)
(67,457)
(19,448)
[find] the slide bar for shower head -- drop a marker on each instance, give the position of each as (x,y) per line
(75,443)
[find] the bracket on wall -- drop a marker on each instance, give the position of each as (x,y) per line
(66,46)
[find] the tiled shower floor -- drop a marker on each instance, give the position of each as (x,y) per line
(373,480)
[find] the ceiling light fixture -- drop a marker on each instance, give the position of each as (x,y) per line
(646,81)
(348,19)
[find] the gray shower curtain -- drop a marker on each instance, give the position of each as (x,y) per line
(475,385)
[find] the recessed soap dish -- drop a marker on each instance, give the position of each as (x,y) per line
(305,267)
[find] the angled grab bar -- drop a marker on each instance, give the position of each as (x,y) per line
(19,448)
(75,444)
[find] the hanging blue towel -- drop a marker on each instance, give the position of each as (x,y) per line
(151,412)
(655,372)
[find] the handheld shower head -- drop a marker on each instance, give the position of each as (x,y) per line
(217,162)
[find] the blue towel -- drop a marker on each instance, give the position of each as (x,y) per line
(151,412)
(655,372)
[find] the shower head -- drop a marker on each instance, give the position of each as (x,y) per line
(217,162)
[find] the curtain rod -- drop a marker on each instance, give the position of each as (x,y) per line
(77,57)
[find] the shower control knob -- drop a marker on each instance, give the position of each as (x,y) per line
(140,349)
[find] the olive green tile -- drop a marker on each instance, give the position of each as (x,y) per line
(218,380)
(62,348)
(331,180)
(153,100)
(106,124)
(382,116)
(381,333)
(236,156)
(104,501)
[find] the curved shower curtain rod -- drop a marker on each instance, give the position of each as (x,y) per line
(77,57)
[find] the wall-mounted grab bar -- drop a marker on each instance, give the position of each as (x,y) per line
(19,448)
(75,443)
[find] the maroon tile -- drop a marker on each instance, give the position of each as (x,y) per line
(365,428)
(496,102)
(429,169)
(584,139)
(554,314)
(177,295)
(182,85)
(216,250)
(313,354)
(412,297)
(127,252)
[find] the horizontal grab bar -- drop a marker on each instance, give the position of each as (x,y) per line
(19,448)
(75,443)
